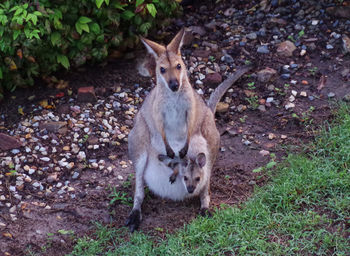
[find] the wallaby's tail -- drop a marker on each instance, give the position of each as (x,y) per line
(223,87)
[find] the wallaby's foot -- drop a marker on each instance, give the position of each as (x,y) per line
(169,152)
(205,212)
(172,178)
(134,220)
(183,151)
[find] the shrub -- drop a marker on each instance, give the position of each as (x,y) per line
(39,36)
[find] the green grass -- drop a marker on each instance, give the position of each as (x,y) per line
(304,210)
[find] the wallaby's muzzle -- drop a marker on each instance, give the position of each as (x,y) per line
(190,189)
(174,85)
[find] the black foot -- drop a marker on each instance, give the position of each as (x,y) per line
(183,151)
(172,178)
(134,220)
(170,153)
(205,212)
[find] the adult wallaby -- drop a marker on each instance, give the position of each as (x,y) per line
(170,115)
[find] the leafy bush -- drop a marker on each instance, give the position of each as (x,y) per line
(39,36)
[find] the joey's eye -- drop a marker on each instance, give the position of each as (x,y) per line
(185,178)
(178,66)
(198,179)
(162,70)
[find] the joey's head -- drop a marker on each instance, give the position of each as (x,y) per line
(170,68)
(192,174)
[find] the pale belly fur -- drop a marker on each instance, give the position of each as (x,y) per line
(157,179)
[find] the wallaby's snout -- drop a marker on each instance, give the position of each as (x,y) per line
(173,85)
(190,189)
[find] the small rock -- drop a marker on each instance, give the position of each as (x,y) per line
(302,52)
(86,94)
(36,184)
(346,43)
(120,177)
(331,95)
(252,36)
(241,108)
(75,175)
(294,93)
(81,156)
(45,159)
(272,136)
(289,105)
(52,126)
(285,76)
(291,98)
(262,108)
(264,152)
(7,142)
(304,82)
(266,74)
(229,12)
(329,47)
(283,137)
(52,177)
(286,48)
(222,107)
(269,100)
(347,97)
(345,72)
(213,79)
(314,22)
(15,151)
(303,93)
(263,49)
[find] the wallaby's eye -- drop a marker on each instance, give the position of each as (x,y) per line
(162,70)
(198,179)
(185,178)
(178,66)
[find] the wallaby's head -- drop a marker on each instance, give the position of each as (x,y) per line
(190,170)
(170,69)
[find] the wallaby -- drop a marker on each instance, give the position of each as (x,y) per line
(172,113)
(193,170)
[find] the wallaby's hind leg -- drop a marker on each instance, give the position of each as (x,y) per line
(135,216)
(205,201)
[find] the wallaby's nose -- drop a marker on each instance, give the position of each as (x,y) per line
(173,85)
(190,189)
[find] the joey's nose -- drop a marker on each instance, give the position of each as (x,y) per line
(190,189)
(173,85)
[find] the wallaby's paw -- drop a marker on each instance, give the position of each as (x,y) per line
(205,212)
(170,153)
(134,220)
(172,178)
(183,151)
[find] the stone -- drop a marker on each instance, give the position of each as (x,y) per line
(265,75)
(222,107)
(286,49)
(346,43)
(201,53)
(53,126)
(263,49)
(262,108)
(339,11)
(52,177)
(252,36)
(8,142)
(229,12)
(86,94)
(289,105)
(303,93)
(347,97)
(264,152)
(331,95)
(213,79)
(345,72)
(198,30)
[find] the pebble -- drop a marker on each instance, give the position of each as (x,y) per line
(331,95)
(15,151)
(303,93)
(291,98)
(329,47)
(263,49)
(75,175)
(120,177)
(289,105)
(45,159)
(264,152)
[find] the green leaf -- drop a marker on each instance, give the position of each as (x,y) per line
(0,73)
(152,9)
(84,20)
(85,27)
(95,28)
(65,232)
(16,33)
(62,59)
(257,170)
(78,27)
(127,15)
(139,2)
(55,37)
(145,27)
(271,164)
(99,3)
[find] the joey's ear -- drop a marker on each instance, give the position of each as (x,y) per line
(201,160)
(152,47)
(176,43)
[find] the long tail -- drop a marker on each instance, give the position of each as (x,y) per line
(223,87)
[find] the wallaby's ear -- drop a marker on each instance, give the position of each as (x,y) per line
(176,43)
(201,160)
(152,47)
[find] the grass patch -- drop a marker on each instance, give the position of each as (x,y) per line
(304,210)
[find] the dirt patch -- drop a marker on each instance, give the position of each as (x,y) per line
(45,220)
